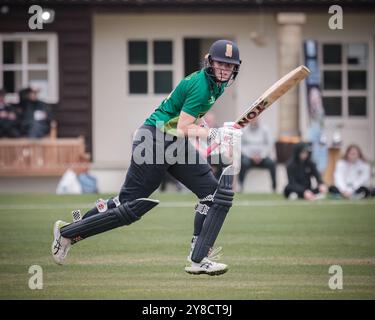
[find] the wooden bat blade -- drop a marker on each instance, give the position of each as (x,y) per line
(277,90)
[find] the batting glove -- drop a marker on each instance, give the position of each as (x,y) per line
(225,135)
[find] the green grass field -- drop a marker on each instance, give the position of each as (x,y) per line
(275,249)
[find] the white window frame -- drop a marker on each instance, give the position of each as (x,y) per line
(347,123)
(150,67)
(51,66)
(344,67)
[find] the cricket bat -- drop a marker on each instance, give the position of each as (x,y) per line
(273,93)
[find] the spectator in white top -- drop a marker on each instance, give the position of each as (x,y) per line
(352,175)
(256,147)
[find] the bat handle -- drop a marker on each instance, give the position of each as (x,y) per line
(211,148)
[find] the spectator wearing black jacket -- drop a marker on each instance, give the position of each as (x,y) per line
(301,169)
(9,121)
(36,115)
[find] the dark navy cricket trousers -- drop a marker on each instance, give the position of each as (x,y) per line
(153,154)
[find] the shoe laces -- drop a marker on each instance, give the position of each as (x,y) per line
(207,263)
(57,245)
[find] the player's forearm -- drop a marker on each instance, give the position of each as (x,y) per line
(193,130)
(186,126)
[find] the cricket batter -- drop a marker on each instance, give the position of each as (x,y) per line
(177,114)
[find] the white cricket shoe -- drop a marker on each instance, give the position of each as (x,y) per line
(293,196)
(207,266)
(60,245)
(358,196)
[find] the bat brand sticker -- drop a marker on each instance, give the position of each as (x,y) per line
(261,106)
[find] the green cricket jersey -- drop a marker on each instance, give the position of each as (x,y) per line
(194,95)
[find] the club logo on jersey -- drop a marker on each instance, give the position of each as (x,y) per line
(229,50)
(212,100)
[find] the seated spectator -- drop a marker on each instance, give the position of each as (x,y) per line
(36,115)
(256,147)
(23,99)
(86,179)
(352,175)
(8,119)
(301,169)
(77,179)
(69,183)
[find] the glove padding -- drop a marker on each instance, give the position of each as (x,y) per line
(227,136)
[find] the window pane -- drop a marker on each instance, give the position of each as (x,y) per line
(163,52)
(37,52)
(332,53)
(39,81)
(357,80)
(12,52)
(357,54)
(162,81)
(138,82)
(332,106)
(357,106)
(12,81)
(332,80)
(137,52)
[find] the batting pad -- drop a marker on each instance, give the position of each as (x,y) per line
(216,215)
(124,214)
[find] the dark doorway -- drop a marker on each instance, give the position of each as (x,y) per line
(192,55)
